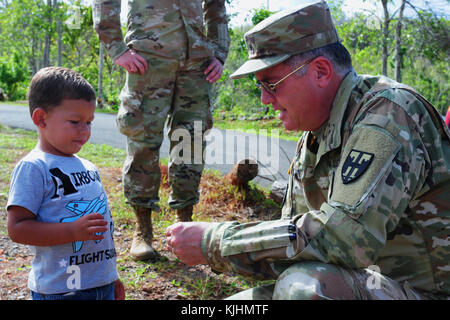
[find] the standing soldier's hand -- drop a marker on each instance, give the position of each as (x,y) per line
(132,62)
(214,71)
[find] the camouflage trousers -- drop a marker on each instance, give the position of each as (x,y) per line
(311,280)
(172,90)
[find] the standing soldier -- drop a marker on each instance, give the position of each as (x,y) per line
(171,62)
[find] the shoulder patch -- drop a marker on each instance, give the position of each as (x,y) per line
(366,159)
(355,165)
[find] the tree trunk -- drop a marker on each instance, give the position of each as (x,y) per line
(39,59)
(33,57)
(59,32)
(100,77)
(47,38)
(385,50)
(398,44)
(242,172)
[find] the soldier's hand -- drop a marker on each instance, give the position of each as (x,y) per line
(214,71)
(184,240)
(132,62)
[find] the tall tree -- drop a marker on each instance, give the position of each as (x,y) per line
(100,76)
(385,41)
(48,36)
(398,44)
(58,32)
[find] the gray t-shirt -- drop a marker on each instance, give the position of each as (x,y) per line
(61,189)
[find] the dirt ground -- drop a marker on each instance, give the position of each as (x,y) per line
(165,278)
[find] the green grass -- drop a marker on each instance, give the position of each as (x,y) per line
(103,155)
(15,103)
(269,128)
(13,145)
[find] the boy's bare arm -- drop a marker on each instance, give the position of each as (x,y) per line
(24,228)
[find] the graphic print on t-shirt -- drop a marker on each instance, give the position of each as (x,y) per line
(82,208)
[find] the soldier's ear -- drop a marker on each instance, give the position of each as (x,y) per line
(38,116)
(322,71)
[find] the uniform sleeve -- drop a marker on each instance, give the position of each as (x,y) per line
(215,17)
(383,165)
(106,16)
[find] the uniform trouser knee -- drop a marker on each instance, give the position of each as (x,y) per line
(311,280)
(186,165)
(141,173)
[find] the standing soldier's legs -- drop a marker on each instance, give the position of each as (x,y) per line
(145,104)
(190,117)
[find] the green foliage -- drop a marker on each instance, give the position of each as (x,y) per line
(260,14)
(236,99)
(425,46)
(13,76)
(24,23)
(22,34)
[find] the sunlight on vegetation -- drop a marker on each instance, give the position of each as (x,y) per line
(425,60)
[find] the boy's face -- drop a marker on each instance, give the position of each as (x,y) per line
(66,128)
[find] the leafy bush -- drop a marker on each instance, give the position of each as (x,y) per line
(239,98)
(426,49)
(13,76)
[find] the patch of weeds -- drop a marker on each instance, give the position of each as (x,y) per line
(137,275)
(23,268)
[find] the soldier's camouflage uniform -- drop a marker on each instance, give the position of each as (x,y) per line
(171,36)
(366,212)
(394,217)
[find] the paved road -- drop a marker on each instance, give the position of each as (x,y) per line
(221,153)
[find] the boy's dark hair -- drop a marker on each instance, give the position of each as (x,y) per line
(49,86)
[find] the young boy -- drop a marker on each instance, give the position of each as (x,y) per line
(57,203)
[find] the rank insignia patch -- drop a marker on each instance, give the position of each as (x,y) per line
(355,165)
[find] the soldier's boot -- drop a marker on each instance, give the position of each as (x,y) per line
(141,247)
(185,214)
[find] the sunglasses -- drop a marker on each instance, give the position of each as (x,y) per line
(270,87)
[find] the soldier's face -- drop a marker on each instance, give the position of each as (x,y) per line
(299,99)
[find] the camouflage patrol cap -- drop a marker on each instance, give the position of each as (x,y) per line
(286,33)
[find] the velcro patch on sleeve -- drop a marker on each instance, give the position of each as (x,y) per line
(355,165)
(366,157)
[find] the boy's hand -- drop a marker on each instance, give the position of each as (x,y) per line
(119,290)
(87,226)
(24,228)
